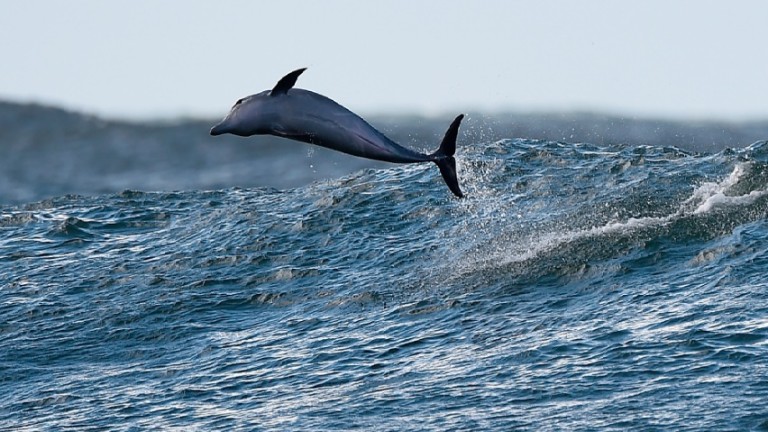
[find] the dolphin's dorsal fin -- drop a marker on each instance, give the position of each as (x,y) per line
(286,83)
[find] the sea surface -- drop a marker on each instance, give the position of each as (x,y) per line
(579,287)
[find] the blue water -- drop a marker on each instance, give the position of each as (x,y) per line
(578,287)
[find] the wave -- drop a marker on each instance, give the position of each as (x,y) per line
(535,211)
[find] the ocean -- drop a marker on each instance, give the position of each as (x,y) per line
(155,278)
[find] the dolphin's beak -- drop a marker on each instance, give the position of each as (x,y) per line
(218,129)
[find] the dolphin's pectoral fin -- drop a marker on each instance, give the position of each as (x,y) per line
(286,83)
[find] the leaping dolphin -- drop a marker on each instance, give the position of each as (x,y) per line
(312,118)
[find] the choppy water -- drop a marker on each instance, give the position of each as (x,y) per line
(578,287)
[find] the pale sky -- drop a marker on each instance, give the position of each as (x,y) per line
(169,58)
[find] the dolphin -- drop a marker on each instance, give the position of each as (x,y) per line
(306,116)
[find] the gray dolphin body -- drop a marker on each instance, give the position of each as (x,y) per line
(312,118)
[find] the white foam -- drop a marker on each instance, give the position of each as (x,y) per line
(722,199)
(713,195)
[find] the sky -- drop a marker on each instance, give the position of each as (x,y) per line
(170,58)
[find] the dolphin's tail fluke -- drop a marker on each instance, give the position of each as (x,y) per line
(444,159)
